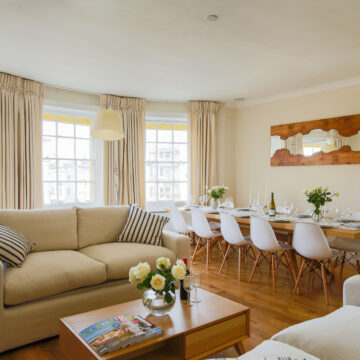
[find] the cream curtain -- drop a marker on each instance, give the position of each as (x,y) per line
(295,144)
(124,159)
(21,103)
(202,116)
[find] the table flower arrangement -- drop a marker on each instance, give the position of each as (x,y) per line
(159,285)
(319,196)
(216,193)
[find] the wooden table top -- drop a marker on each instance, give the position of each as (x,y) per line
(182,319)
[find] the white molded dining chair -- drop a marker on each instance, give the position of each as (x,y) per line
(311,244)
(349,247)
(204,234)
(178,221)
(264,238)
(231,233)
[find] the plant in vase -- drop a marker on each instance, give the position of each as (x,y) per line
(216,193)
(159,285)
(319,196)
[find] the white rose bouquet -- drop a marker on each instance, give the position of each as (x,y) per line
(162,280)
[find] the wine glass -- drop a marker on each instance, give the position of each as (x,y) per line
(202,200)
(188,285)
(196,277)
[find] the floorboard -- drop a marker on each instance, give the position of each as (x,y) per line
(270,312)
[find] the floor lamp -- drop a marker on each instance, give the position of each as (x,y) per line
(108,126)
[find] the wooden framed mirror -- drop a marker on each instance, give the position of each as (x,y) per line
(331,141)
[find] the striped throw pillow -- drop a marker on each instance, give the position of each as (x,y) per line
(143,227)
(13,247)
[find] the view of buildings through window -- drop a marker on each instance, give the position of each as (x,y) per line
(166,161)
(68,158)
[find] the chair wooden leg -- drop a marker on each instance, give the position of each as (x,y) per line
(290,270)
(255,266)
(311,273)
(337,281)
(207,253)
(358,265)
(198,241)
(221,249)
(253,254)
(270,265)
(323,274)
(298,280)
(239,262)
(273,263)
(226,255)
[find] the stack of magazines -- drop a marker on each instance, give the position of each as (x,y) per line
(117,332)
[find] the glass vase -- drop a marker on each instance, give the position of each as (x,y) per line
(155,303)
(317,214)
(215,203)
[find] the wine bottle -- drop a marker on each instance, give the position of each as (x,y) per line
(183,292)
(272,208)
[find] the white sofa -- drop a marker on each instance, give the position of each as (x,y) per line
(332,337)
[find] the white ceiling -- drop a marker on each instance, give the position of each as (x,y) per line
(165,49)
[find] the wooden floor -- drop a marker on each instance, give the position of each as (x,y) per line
(270,312)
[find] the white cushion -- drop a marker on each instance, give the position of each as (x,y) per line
(332,337)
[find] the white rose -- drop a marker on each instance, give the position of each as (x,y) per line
(157,282)
(132,277)
(163,261)
(178,272)
(142,270)
(181,263)
(326,188)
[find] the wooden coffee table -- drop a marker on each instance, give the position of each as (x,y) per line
(190,332)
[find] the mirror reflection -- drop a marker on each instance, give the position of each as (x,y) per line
(315,141)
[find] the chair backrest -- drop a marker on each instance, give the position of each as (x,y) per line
(177,220)
(309,241)
(262,235)
(200,224)
(230,230)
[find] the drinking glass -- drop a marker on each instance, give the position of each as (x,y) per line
(229,202)
(196,277)
(188,285)
(202,200)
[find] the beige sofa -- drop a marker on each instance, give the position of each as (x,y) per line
(76,266)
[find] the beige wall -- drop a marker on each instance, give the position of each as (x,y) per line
(253,150)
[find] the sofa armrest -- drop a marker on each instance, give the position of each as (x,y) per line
(351,292)
(2,284)
(179,244)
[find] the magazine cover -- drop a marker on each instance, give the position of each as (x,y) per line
(117,332)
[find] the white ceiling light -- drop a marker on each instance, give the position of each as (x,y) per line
(212,17)
(107,126)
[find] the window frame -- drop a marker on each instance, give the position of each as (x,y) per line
(166,119)
(96,158)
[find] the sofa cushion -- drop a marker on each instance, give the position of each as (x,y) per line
(13,246)
(51,272)
(48,229)
(143,227)
(100,225)
(332,337)
(274,350)
(120,257)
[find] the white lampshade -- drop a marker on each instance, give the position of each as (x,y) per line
(107,126)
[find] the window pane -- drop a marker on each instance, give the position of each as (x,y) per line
(66,129)
(165,191)
(165,172)
(49,195)
(165,152)
(65,148)
(150,172)
(165,135)
(49,128)
(151,191)
(180,191)
(49,147)
(84,192)
(180,136)
(180,152)
(150,152)
(67,192)
(180,172)
(49,170)
(83,149)
(83,131)
(66,170)
(150,135)
(84,170)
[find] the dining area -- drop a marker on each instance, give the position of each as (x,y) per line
(300,246)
